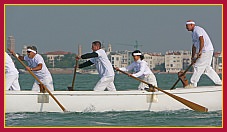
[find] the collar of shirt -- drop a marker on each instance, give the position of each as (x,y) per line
(138,61)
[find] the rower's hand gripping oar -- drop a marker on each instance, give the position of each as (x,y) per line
(74,76)
(190,104)
(62,107)
(173,87)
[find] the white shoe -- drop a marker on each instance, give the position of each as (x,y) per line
(190,86)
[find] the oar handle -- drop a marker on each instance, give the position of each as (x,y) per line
(173,87)
(190,104)
(133,77)
(74,75)
(62,107)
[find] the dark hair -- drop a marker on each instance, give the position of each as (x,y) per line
(33,48)
(97,43)
(137,51)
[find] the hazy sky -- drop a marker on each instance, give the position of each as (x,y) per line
(156,28)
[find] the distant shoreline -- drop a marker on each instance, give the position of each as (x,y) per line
(71,71)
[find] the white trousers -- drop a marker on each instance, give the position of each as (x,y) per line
(150,79)
(47,81)
(203,65)
(12,82)
(105,83)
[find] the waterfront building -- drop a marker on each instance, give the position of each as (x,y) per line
(11,43)
(154,59)
(177,60)
(55,56)
(116,60)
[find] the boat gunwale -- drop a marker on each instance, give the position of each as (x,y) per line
(130,92)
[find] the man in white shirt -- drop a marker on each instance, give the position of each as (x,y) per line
(203,46)
(103,66)
(12,74)
(37,65)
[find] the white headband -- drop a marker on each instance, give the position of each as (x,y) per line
(190,22)
(31,50)
(137,53)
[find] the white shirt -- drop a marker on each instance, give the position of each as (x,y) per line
(140,67)
(33,62)
(103,64)
(197,32)
(10,68)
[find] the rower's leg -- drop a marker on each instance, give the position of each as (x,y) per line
(42,89)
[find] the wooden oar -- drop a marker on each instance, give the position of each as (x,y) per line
(74,76)
(173,87)
(190,104)
(62,107)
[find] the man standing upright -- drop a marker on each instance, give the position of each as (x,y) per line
(103,66)
(203,46)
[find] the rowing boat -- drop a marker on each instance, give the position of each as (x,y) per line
(100,101)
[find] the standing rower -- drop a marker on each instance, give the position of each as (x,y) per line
(103,66)
(203,46)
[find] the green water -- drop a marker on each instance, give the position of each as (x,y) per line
(180,118)
(84,82)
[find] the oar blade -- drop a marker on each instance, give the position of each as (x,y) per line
(190,104)
(173,87)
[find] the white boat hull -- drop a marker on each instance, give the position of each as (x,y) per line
(92,101)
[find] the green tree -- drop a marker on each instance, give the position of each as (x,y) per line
(160,67)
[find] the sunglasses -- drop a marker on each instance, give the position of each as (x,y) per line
(28,51)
